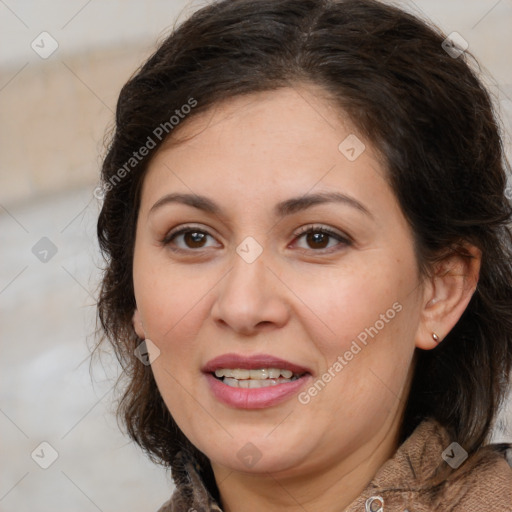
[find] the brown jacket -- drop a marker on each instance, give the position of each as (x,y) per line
(482,483)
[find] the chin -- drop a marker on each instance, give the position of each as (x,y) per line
(254,462)
(259,453)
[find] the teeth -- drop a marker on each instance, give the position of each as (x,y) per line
(259,374)
(273,373)
(251,379)
(239,374)
(252,384)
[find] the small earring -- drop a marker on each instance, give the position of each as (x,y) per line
(435,337)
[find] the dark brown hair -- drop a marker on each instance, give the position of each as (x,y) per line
(425,111)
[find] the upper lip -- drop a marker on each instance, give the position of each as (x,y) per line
(252,362)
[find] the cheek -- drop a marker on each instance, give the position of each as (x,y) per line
(174,313)
(347,302)
(365,322)
(170,299)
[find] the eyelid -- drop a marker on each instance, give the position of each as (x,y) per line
(342,237)
(324,229)
(182,228)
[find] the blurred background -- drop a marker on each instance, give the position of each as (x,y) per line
(62,64)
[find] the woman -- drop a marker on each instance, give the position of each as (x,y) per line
(309,278)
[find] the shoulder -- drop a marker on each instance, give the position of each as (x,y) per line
(483,482)
(480,482)
(430,472)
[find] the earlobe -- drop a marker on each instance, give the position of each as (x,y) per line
(137,324)
(447,295)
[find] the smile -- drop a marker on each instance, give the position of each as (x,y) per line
(254,381)
(257,378)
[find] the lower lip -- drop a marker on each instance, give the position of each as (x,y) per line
(255,398)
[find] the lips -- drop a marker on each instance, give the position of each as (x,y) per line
(253,362)
(223,374)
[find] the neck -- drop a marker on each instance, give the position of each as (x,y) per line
(330,488)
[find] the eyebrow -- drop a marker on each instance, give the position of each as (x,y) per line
(282,209)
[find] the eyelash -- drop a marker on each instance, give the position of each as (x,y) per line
(343,239)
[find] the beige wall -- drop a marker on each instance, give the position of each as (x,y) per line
(54,118)
(55,111)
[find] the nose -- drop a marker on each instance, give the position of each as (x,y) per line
(251,299)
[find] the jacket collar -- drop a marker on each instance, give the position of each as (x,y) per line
(408,482)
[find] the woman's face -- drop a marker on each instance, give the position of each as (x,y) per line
(296,263)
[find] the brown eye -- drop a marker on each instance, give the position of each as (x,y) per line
(317,240)
(321,238)
(187,238)
(194,239)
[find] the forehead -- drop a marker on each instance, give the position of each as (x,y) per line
(274,144)
(302,119)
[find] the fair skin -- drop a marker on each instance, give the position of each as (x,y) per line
(303,299)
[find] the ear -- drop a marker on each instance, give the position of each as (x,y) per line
(137,324)
(447,293)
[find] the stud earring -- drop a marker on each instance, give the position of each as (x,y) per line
(435,337)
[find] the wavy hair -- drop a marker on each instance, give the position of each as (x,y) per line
(428,115)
